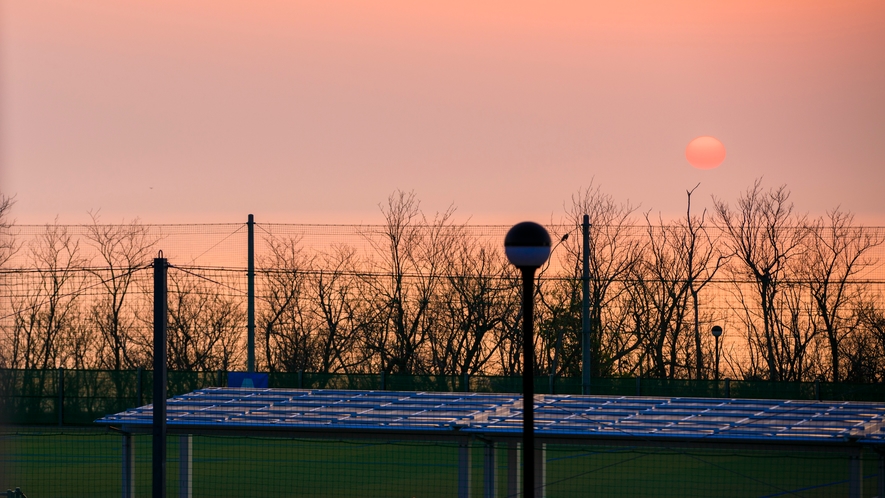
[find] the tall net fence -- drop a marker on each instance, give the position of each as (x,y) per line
(74,463)
(441,299)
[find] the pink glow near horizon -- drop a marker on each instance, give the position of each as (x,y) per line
(194,111)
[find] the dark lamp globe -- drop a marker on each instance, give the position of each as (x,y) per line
(527,245)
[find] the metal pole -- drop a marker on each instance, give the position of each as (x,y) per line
(159,429)
(717,358)
(61,396)
(250,291)
(585,307)
(139,386)
(128,476)
(528,379)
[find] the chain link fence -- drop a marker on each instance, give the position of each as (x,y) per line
(438,299)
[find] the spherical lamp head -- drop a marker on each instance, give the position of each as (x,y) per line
(717,331)
(527,245)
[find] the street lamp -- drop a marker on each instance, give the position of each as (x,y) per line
(527,246)
(717,331)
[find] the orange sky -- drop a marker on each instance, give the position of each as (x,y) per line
(192,111)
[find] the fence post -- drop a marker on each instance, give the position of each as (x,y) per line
(383,381)
(639,386)
(61,396)
(855,473)
(159,419)
(128,478)
(139,386)
(466,383)
(585,306)
(727,388)
(817,389)
(301,379)
(880,480)
(250,298)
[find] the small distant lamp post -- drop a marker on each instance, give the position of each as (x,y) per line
(717,331)
(527,246)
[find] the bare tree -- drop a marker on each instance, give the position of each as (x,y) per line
(342,313)
(614,252)
(476,304)
(204,326)
(47,313)
(412,251)
(837,253)
(558,341)
(865,353)
(123,250)
(764,235)
(8,246)
(661,290)
(281,319)
(701,259)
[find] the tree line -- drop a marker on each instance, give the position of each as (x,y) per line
(798,296)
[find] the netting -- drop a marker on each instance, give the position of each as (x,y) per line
(75,463)
(438,300)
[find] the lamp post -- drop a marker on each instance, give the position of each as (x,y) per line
(527,246)
(717,331)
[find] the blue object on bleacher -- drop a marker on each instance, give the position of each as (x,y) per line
(246,379)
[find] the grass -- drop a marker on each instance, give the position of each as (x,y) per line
(86,462)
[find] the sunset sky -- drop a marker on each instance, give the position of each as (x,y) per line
(311,112)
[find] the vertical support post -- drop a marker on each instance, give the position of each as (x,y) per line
(466,383)
(61,396)
(301,379)
(139,386)
(464,469)
(528,381)
(513,464)
(639,386)
(855,473)
(880,479)
(250,300)
(817,389)
(383,381)
(717,356)
(185,466)
(128,466)
(727,388)
(585,306)
(159,406)
(490,471)
(527,246)
(541,471)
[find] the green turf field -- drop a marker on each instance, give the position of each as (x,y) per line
(46,462)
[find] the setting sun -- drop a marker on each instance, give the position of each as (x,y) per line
(705,153)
